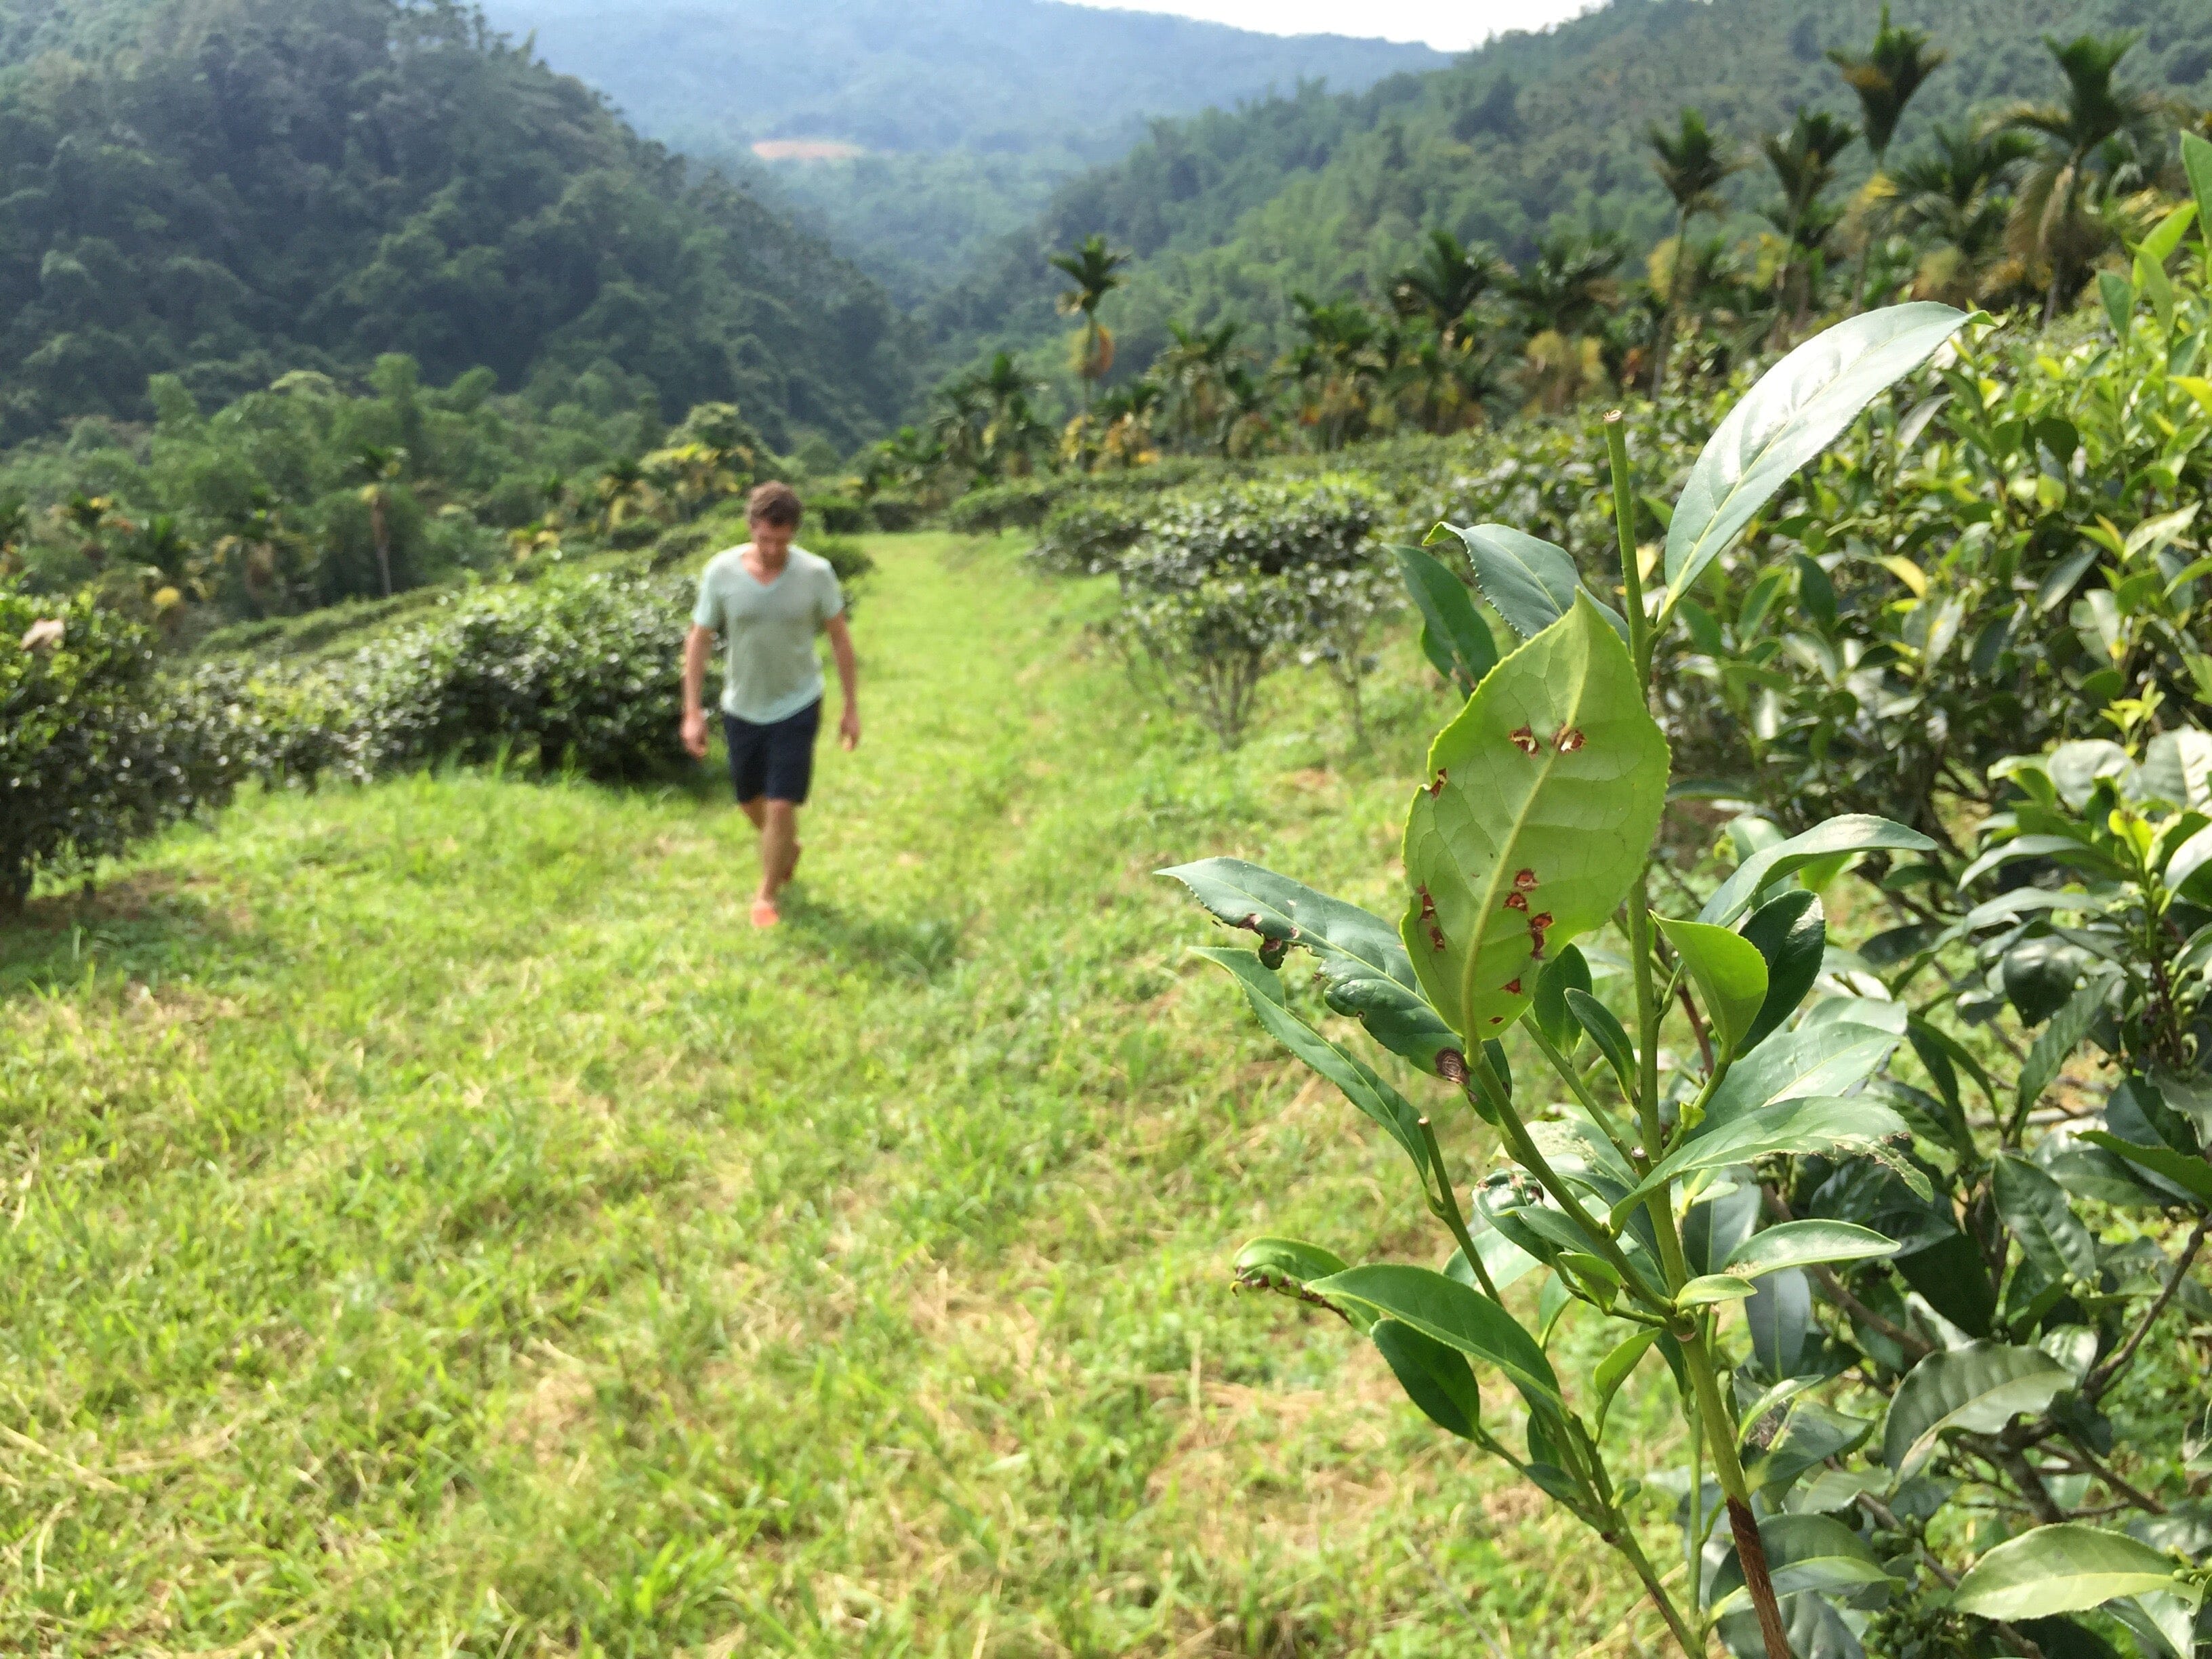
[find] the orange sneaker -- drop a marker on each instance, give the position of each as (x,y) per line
(764,912)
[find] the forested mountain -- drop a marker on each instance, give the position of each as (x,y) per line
(968,113)
(1230,214)
(231,189)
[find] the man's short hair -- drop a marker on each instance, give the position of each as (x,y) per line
(774,503)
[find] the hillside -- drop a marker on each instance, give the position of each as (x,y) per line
(1231,212)
(967,115)
(231,189)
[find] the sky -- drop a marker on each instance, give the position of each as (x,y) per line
(1448,25)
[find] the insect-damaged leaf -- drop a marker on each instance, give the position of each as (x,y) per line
(1363,968)
(1543,800)
(1795,411)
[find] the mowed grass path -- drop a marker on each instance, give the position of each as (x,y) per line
(431,1222)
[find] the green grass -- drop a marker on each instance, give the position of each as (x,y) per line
(431,1221)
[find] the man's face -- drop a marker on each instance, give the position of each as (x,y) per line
(773,540)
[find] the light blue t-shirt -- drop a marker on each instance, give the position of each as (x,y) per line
(770,670)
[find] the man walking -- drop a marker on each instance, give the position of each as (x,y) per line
(767,599)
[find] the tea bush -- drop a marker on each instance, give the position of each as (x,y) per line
(1224,588)
(92,752)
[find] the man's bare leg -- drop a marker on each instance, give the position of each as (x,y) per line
(779,827)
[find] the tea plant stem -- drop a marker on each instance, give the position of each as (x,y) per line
(1518,1141)
(1444,1202)
(1573,1079)
(1622,1539)
(2101,1378)
(1624,518)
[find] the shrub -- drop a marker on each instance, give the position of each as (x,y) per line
(851,562)
(1087,535)
(1221,588)
(893,513)
(94,754)
(1018,505)
(838,515)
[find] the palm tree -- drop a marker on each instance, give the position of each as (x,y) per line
(623,489)
(1952,195)
(1691,164)
(1894,68)
(1445,283)
(1337,366)
(1570,283)
(1193,375)
(1804,163)
(379,466)
(1095,271)
(2050,226)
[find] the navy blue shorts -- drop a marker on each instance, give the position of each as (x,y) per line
(776,760)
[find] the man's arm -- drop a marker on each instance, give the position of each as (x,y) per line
(848,678)
(698,646)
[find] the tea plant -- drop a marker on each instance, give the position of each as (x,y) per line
(1658,1197)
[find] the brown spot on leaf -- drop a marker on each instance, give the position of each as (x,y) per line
(1512,987)
(1524,879)
(1437,787)
(1568,740)
(1516,900)
(1525,741)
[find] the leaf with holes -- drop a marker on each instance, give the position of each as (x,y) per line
(1364,971)
(1359,1082)
(1730,975)
(2066,1568)
(1978,1388)
(1453,636)
(1543,800)
(1796,410)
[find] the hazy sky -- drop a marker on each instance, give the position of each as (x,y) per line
(1452,25)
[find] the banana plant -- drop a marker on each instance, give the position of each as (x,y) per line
(1628,1181)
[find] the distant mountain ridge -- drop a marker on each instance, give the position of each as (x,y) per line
(971,111)
(990,77)
(1231,212)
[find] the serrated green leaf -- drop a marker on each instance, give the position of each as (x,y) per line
(1806,1244)
(1858,832)
(1455,636)
(2057,1040)
(1530,582)
(1543,798)
(1979,1387)
(1360,1084)
(1729,973)
(2192,1173)
(1796,410)
(2066,1568)
(1826,1058)
(1452,1314)
(2038,1213)
(1567,971)
(1816,1124)
(1792,932)
(1435,1377)
(1803,1552)
(1365,973)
